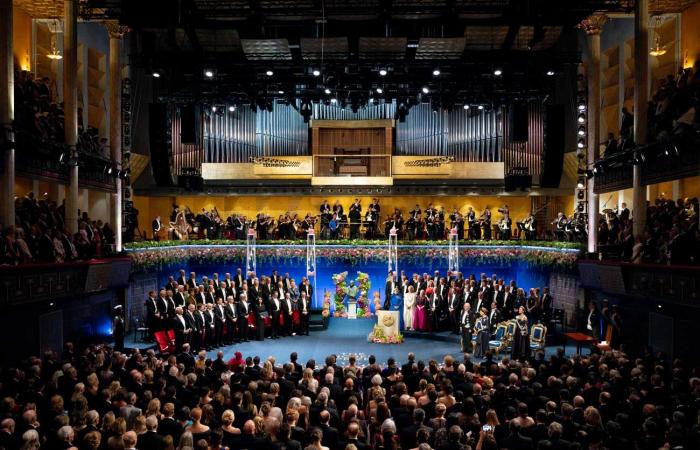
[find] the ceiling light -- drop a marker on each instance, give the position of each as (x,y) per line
(316,72)
(213,108)
(156,75)
(371,100)
(581,131)
(269,73)
(581,105)
(231,108)
(382,72)
(498,72)
(481,106)
(581,183)
(465,106)
(327,91)
(280,92)
(425,90)
(208,73)
(334,100)
(550,73)
(436,72)
(379,90)
(580,143)
(582,118)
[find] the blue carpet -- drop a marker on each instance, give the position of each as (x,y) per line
(343,338)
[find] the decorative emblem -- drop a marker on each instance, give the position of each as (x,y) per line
(430,162)
(273,162)
(388,320)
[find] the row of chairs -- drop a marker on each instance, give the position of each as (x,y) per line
(502,340)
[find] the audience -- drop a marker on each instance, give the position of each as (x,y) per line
(39,235)
(97,398)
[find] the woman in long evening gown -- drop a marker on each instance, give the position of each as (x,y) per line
(521,338)
(421,319)
(482,334)
(409,307)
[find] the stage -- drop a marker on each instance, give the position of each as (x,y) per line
(344,337)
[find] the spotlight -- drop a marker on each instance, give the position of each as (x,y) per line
(371,100)
(334,100)
(109,170)
(280,92)
(231,108)
(316,72)
(671,150)
(582,118)
(156,74)
(327,91)
(436,72)
(581,143)
(581,131)
(589,174)
(597,169)
(580,207)
(581,183)
(380,90)
(581,105)
(382,72)
(465,106)
(269,73)
(481,107)
(213,108)
(425,90)
(550,73)
(208,73)
(498,72)
(581,194)
(639,158)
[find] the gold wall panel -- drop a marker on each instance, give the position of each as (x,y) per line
(378,123)
(250,171)
(403,168)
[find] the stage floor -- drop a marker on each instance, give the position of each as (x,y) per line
(344,337)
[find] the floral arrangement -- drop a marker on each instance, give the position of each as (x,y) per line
(377,336)
(363,286)
(336,242)
(168,257)
(341,289)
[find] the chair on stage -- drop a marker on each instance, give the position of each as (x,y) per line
(165,343)
(558,318)
(538,335)
(141,329)
(499,341)
(510,331)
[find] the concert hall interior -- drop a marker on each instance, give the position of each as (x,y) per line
(349,224)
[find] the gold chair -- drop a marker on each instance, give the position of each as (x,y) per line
(499,341)
(538,334)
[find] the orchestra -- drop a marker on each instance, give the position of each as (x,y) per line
(433,223)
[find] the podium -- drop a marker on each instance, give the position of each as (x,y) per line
(389,322)
(352,309)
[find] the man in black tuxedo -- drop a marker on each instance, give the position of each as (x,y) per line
(355,215)
(275,311)
(466,322)
(494,317)
(180,297)
(163,309)
(454,306)
(306,287)
(181,279)
(546,303)
(389,289)
(156,227)
(151,440)
(593,320)
(202,329)
(192,325)
(192,280)
(243,311)
(238,279)
(287,310)
(152,313)
(231,316)
(304,311)
(181,328)
(168,426)
(219,322)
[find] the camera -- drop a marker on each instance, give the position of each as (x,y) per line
(487,428)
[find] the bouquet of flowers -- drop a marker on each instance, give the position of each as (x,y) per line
(341,289)
(377,336)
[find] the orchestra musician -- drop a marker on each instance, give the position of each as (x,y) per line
(355,214)
(340,217)
(326,214)
(561,223)
(156,227)
(485,220)
(474,228)
(430,219)
(413,224)
(528,227)
(457,222)
(504,223)
(440,225)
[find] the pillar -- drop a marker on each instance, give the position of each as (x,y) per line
(641,97)
(593,26)
(7,115)
(115,125)
(675,189)
(70,100)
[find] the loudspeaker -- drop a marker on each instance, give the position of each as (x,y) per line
(160,144)
(188,124)
(190,182)
(519,122)
(554,143)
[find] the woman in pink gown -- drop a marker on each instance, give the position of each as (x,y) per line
(421,319)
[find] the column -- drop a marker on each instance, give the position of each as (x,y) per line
(641,97)
(593,26)
(7,115)
(115,124)
(70,100)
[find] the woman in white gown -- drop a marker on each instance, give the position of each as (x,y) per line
(409,306)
